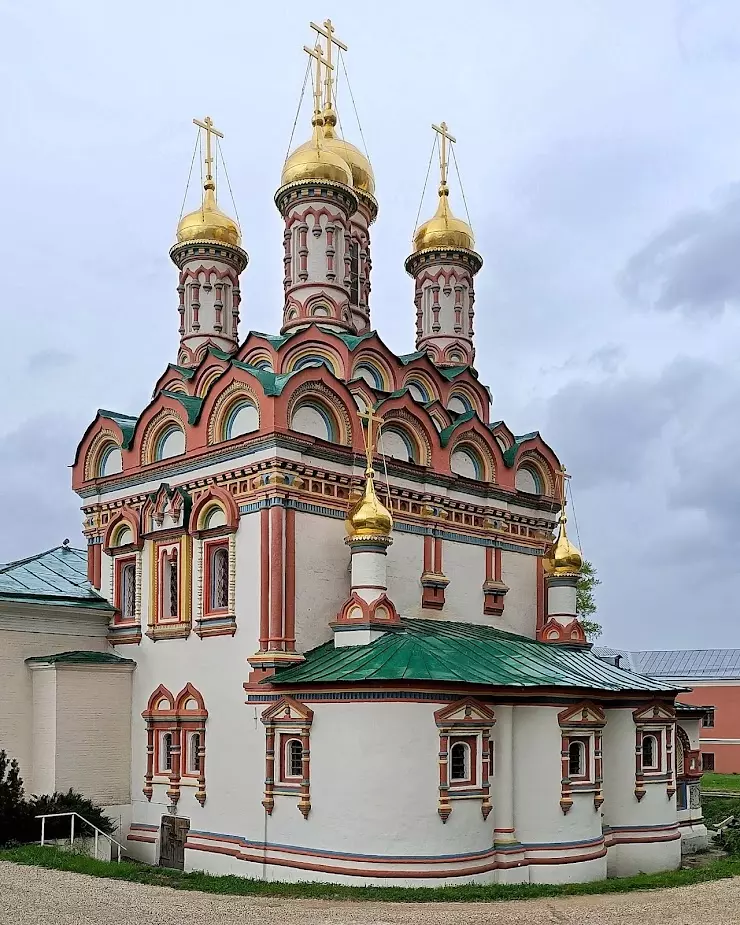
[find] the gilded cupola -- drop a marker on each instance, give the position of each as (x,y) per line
(443,230)
(209,223)
(369,517)
(563,558)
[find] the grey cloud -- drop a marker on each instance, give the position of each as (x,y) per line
(38,506)
(48,360)
(693,265)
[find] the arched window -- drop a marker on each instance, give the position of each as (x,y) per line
(459,762)
(354,272)
(650,755)
(123,537)
(293,758)
(418,391)
(577,759)
(111,462)
(214,518)
(313,419)
(219,589)
(242,419)
(395,444)
(369,374)
(171,442)
(466,463)
(528,480)
(458,405)
(169,595)
(128,591)
(194,753)
(165,752)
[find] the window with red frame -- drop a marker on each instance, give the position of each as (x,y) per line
(579,759)
(170,586)
(291,759)
(650,752)
(125,594)
(193,760)
(217,578)
(462,760)
(164,753)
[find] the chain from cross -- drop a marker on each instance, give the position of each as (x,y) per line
(370,437)
(207,124)
(318,54)
(445,136)
(327,31)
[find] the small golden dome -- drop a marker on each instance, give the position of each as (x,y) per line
(563,557)
(209,223)
(316,161)
(369,516)
(363,178)
(443,229)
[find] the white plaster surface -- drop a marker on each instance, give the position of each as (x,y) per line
(519,572)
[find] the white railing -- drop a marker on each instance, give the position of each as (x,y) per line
(98,832)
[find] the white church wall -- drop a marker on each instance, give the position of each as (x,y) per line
(465,565)
(519,572)
(405,564)
(43,769)
(43,633)
(629,818)
(322,580)
(93,732)
(247,590)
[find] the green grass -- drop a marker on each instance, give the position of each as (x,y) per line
(239,886)
(712,781)
(715,809)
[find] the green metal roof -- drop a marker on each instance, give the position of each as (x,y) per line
(191,403)
(58,575)
(127,423)
(463,653)
(81,657)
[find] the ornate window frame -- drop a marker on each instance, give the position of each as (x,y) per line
(284,720)
(180,717)
(657,719)
(211,621)
(582,724)
(468,722)
(161,624)
(124,629)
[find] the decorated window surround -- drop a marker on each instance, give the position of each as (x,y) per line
(656,719)
(123,628)
(164,553)
(470,746)
(287,775)
(213,621)
(294,718)
(582,724)
(467,722)
(191,754)
(179,717)
(581,748)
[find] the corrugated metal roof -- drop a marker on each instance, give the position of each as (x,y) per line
(59,574)
(463,653)
(681,664)
(80,657)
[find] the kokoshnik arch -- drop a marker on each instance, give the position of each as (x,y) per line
(349,573)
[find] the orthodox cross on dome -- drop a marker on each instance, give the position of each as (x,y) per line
(327,31)
(443,160)
(370,434)
(207,124)
(318,54)
(564,476)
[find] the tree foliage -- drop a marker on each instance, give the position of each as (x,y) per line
(585,602)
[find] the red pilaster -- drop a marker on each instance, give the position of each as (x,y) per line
(264,578)
(290,580)
(276,577)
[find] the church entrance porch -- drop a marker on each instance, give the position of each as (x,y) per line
(172,836)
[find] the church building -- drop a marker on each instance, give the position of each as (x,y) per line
(345,597)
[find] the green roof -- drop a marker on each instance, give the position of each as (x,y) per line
(191,403)
(463,653)
(82,657)
(58,575)
(127,423)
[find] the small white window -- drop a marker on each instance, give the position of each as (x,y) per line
(128,590)
(650,753)
(171,443)
(243,420)
(220,578)
(194,753)
(460,762)
(577,759)
(165,752)
(111,461)
(293,758)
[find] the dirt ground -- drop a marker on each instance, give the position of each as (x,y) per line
(34,896)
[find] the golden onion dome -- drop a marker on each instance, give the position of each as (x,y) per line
(563,558)
(316,161)
(443,229)
(363,178)
(209,223)
(369,517)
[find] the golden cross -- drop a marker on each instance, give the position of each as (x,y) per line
(563,481)
(207,124)
(372,434)
(318,54)
(328,32)
(445,137)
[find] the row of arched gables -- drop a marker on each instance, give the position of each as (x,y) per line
(430,420)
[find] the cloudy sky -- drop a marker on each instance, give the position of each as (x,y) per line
(599,145)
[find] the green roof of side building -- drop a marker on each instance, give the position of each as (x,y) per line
(463,653)
(57,576)
(81,657)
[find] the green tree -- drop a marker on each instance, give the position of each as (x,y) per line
(585,603)
(13,808)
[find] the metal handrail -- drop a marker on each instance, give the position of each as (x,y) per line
(72,815)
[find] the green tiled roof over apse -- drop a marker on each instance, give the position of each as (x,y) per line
(58,575)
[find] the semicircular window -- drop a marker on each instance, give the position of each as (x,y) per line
(111,461)
(243,418)
(528,480)
(466,463)
(312,419)
(171,442)
(458,405)
(395,444)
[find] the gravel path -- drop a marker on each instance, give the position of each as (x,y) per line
(34,896)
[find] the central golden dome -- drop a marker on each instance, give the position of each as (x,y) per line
(316,160)
(363,178)
(563,558)
(369,516)
(209,223)
(443,229)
